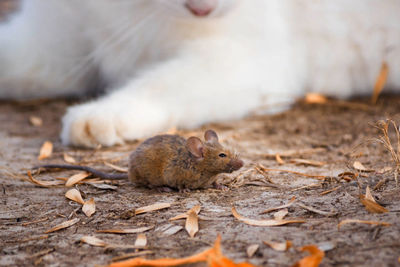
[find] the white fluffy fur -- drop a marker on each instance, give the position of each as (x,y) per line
(170,68)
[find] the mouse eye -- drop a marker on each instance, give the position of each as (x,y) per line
(222,155)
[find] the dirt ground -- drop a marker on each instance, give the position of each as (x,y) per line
(335,134)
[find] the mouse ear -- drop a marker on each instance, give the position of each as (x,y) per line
(195,146)
(211,136)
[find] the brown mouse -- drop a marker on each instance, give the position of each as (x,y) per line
(171,161)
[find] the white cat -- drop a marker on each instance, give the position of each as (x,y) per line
(186,62)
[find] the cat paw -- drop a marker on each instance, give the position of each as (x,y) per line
(94,124)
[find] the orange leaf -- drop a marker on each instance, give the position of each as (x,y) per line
(43,183)
(69,159)
(196,209)
(154,207)
(36,121)
(46,150)
(371,206)
(313,260)
(75,195)
(192,223)
(76,178)
(279,159)
(262,222)
(63,225)
(279,246)
(89,207)
(315,98)
(213,256)
(380,82)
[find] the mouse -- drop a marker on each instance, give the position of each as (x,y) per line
(169,162)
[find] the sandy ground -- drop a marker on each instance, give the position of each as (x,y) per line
(332,136)
(335,134)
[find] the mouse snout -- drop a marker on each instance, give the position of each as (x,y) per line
(235,164)
(201,8)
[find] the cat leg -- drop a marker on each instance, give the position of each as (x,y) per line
(202,85)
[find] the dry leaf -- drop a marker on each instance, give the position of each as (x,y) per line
(251,250)
(68,158)
(76,178)
(364,222)
(104,186)
(115,167)
(384,169)
(372,206)
(279,215)
(43,183)
(318,177)
(313,260)
(330,190)
(89,207)
(263,222)
(279,159)
(212,256)
(279,246)
(360,167)
(132,255)
(36,121)
(348,176)
(126,231)
(324,213)
(196,209)
(172,230)
(63,225)
(141,241)
(154,207)
(75,195)
(94,241)
(380,82)
(280,207)
(308,162)
(46,150)
(192,223)
(368,194)
(315,98)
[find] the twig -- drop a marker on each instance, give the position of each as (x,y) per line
(324,213)
(329,191)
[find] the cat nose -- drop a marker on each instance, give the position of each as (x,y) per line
(201,8)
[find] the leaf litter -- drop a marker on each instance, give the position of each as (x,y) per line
(279,246)
(370,204)
(63,225)
(88,207)
(46,150)
(153,207)
(76,178)
(126,231)
(350,178)
(69,159)
(312,260)
(192,223)
(270,222)
(212,256)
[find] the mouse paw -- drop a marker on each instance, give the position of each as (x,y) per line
(108,124)
(220,187)
(184,190)
(165,189)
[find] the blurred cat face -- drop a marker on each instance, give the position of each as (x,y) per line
(198,8)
